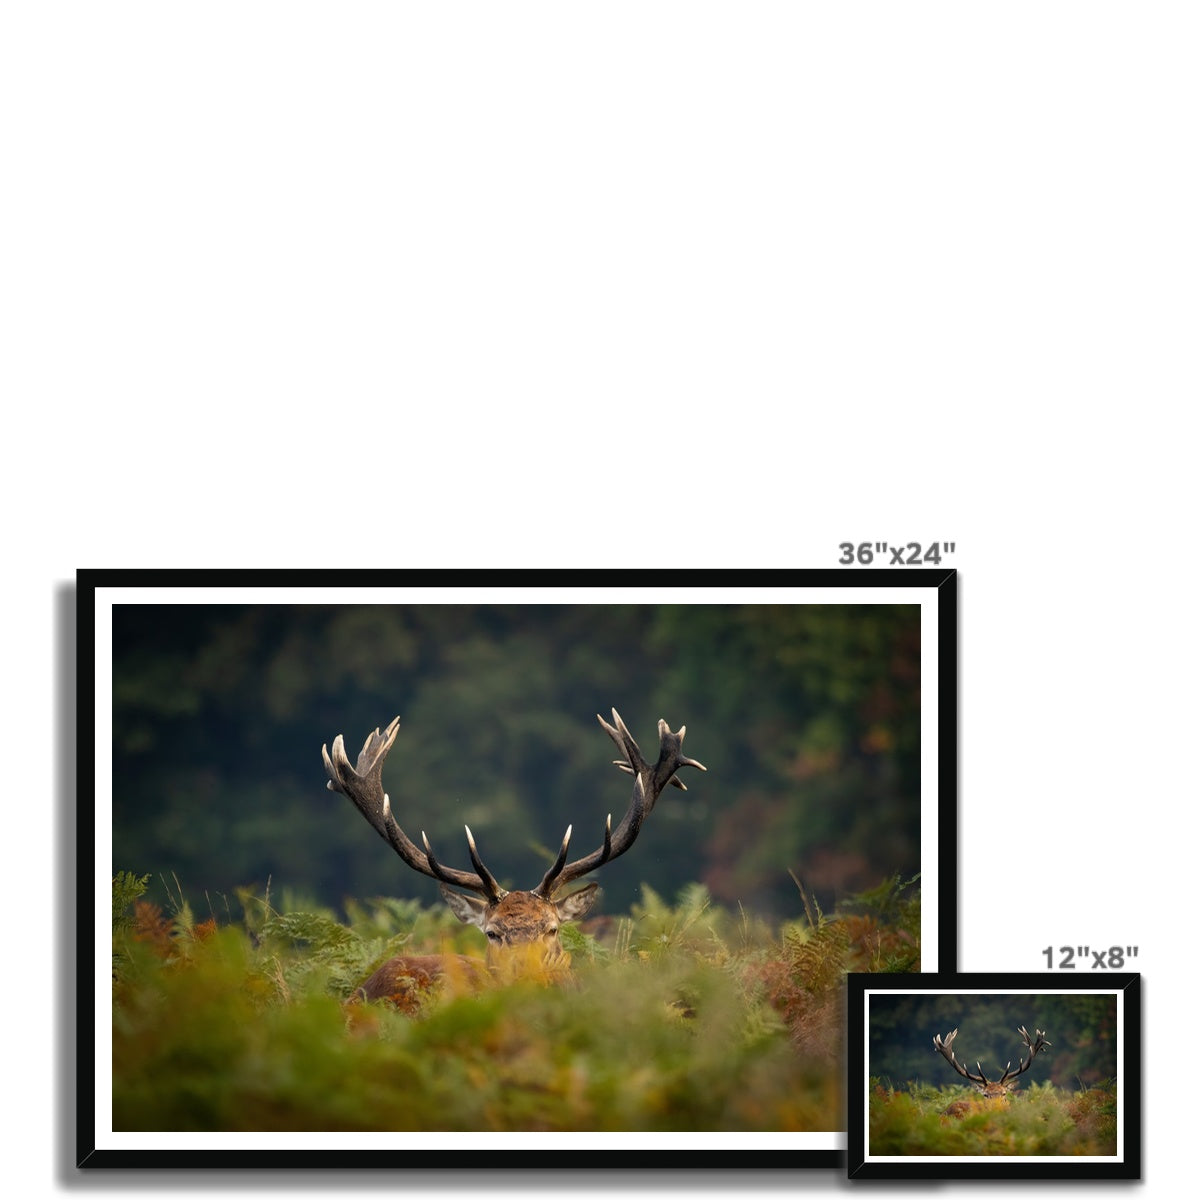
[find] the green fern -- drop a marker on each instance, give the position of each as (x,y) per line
(893,902)
(126,888)
(817,956)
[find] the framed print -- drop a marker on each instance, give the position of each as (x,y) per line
(526,914)
(994,1077)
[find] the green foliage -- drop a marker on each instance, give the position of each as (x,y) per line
(688,1016)
(1041,1120)
(334,953)
(691,923)
(126,888)
(889,901)
(579,945)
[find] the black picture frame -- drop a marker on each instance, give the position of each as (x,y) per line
(882,1015)
(934,589)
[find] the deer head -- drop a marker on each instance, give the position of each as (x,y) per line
(1003,1085)
(517,921)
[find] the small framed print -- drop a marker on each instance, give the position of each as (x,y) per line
(279,986)
(994,1076)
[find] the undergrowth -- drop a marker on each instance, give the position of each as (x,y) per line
(681,1016)
(1041,1120)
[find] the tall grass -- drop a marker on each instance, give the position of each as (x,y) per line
(683,1016)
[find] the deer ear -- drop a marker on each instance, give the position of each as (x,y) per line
(470,910)
(577,904)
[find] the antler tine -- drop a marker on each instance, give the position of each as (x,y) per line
(649,781)
(675,780)
(486,884)
(363,784)
(495,891)
(546,887)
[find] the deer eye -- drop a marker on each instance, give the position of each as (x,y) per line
(552,931)
(493,936)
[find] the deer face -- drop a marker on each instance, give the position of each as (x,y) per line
(521,920)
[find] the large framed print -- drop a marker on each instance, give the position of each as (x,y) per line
(974,1076)
(296,952)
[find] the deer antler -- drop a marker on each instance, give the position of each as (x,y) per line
(943,1047)
(1033,1046)
(363,783)
(648,783)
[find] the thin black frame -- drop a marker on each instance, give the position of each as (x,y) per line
(82,821)
(1128,1165)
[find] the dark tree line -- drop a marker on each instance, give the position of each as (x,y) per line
(1081,1027)
(807,717)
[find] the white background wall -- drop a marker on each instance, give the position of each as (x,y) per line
(636,285)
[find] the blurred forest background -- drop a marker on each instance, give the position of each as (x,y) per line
(1081,1027)
(807,717)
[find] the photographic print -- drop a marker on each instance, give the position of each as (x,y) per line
(974,1076)
(454,866)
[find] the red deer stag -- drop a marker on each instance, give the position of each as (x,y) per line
(521,927)
(1001,1087)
